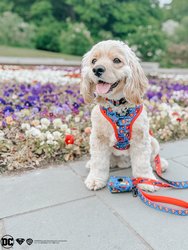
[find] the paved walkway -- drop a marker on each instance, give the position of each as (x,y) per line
(53,204)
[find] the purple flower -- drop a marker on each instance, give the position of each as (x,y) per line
(28,104)
(76,105)
(68,91)
(8,109)
(18,107)
(2,101)
(66,108)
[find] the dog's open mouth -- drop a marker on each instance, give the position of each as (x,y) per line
(104,87)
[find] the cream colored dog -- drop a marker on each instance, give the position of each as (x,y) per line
(111,71)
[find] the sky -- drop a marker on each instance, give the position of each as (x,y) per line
(162,2)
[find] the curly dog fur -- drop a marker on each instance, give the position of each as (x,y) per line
(110,62)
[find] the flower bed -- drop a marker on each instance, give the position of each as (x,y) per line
(44,118)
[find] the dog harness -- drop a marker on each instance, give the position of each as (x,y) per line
(122,124)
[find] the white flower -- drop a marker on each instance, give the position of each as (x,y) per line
(57,135)
(25,126)
(68,131)
(42,136)
(64,127)
(43,127)
(176,107)
(45,122)
(77,119)
(51,142)
(49,136)
(35,132)
(27,133)
(57,123)
(68,118)
(163,114)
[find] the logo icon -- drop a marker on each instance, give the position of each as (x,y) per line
(20,240)
(7,241)
(29,241)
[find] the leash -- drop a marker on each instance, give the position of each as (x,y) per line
(117,184)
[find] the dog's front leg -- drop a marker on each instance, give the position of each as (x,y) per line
(140,153)
(99,162)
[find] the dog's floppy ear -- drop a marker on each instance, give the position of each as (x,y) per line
(136,80)
(86,87)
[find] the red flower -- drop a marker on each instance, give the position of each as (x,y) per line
(69,139)
(179,119)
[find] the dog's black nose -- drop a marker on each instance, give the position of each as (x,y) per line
(99,70)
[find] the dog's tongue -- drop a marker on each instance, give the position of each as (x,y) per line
(103,88)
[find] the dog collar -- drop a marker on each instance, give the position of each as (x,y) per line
(117,102)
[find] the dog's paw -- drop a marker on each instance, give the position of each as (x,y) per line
(164,164)
(88,165)
(94,184)
(147,187)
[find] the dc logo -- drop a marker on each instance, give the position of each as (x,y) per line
(7,241)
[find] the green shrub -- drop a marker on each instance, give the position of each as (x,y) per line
(48,37)
(14,31)
(175,56)
(41,10)
(149,42)
(75,39)
(181,34)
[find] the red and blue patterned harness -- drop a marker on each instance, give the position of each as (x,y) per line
(122,124)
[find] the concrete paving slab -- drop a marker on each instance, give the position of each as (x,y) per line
(182,160)
(39,189)
(174,149)
(79,168)
(162,231)
(84,224)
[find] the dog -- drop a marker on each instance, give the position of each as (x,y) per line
(112,77)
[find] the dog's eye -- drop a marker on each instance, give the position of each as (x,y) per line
(94,61)
(116,60)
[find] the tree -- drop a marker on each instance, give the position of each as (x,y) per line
(75,39)
(97,15)
(22,7)
(149,43)
(47,37)
(41,10)
(5,5)
(177,10)
(181,34)
(14,31)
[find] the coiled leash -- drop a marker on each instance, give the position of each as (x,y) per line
(118,184)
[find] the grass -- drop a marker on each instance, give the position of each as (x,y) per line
(25,52)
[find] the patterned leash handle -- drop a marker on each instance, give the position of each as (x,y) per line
(117,184)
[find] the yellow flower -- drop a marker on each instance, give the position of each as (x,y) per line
(35,123)
(26,112)
(9,120)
